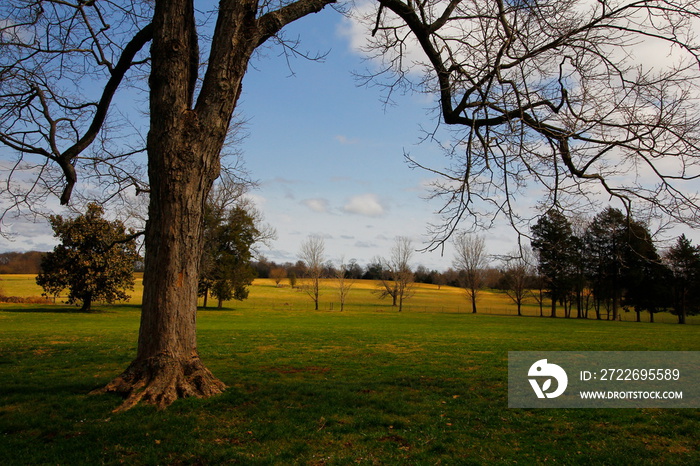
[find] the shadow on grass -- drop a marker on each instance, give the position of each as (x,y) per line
(32,390)
(219,309)
(65,309)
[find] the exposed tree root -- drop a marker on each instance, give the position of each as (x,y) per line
(161,380)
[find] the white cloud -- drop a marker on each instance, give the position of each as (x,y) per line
(365,204)
(317,205)
(346,141)
(257,200)
(357,26)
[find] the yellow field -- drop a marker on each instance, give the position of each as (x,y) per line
(19,285)
(264,294)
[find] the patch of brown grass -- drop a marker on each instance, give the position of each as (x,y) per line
(25,300)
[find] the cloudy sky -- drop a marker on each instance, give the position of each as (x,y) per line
(328,155)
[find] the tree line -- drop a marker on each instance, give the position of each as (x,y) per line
(20,262)
(611,264)
(602,267)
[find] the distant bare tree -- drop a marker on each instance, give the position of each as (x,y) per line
(518,270)
(312,251)
(278,274)
(470,260)
(397,277)
(344,282)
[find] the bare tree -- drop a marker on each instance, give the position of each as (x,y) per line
(344,282)
(578,100)
(278,274)
(397,277)
(518,270)
(312,251)
(470,261)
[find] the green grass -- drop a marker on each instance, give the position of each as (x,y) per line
(366,386)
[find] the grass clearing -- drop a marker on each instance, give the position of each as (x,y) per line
(366,386)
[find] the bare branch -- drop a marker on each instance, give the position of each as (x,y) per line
(554,97)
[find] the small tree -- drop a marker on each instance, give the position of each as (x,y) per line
(344,281)
(278,274)
(470,260)
(230,235)
(95,260)
(518,276)
(232,227)
(311,254)
(396,276)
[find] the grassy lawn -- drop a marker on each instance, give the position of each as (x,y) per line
(366,386)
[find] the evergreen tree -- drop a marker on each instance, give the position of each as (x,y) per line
(645,278)
(684,261)
(606,238)
(95,260)
(226,268)
(553,241)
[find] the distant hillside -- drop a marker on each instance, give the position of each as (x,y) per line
(20,262)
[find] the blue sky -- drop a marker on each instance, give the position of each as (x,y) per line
(328,155)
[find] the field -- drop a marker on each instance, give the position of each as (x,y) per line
(365,386)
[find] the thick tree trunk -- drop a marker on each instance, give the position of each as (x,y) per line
(167,364)
(183,162)
(184,143)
